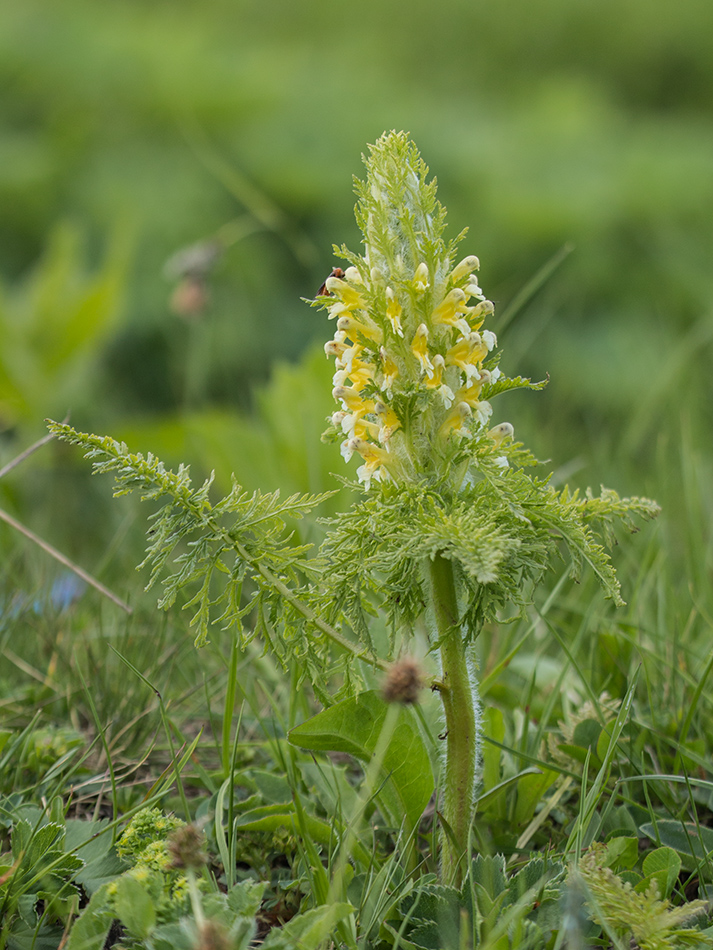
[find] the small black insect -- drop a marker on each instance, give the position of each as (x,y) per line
(323,292)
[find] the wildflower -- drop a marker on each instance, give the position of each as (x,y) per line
(465,268)
(447,312)
(358,371)
(389,369)
(419,348)
(420,278)
(374,458)
(364,326)
(410,326)
(393,312)
(489,338)
(436,381)
(388,419)
(482,411)
(456,420)
(350,297)
(472,289)
(499,433)
(468,354)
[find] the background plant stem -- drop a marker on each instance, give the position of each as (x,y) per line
(459,704)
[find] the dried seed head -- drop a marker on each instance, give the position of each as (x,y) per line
(185,846)
(403,681)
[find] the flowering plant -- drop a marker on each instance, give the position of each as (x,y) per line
(452,524)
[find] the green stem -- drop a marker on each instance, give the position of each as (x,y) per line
(229,708)
(460,705)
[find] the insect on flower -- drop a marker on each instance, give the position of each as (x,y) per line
(323,292)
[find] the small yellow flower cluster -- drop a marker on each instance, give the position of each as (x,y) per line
(403,334)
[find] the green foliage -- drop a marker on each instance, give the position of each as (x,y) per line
(50,863)
(491,909)
(501,532)
(148,827)
(241,535)
(653,923)
(357,725)
(53,327)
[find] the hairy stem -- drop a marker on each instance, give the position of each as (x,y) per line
(460,702)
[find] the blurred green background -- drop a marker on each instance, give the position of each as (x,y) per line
(132,130)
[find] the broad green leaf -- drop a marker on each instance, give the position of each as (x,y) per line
(134,907)
(530,789)
(622,853)
(244,898)
(489,873)
(273,788)
(92,841)
(354,726)
(662,866)
(92,928)
(277,817)
(586,734)
(694,847)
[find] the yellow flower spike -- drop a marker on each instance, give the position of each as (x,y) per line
(393,311)
(352,400)
(353,276)
(465,267)
(470,393)
(335,348)
(374,458)
(456,420)
(490,340)
(356,427)
(467,354)
(420,278)
(447,312)
(483,309)
(348,295)
(360,373)
(364,326)
(388,419)
(499,433)
(419,348)
(389,369)
(349,356)
(436,381)
(472,288)
(436,378)
(337,308)
(369,451)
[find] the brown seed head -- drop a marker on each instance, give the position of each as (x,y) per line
(185,846)
(403,681)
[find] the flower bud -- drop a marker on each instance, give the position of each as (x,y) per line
(499,433)
(420,278)
(465,267)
